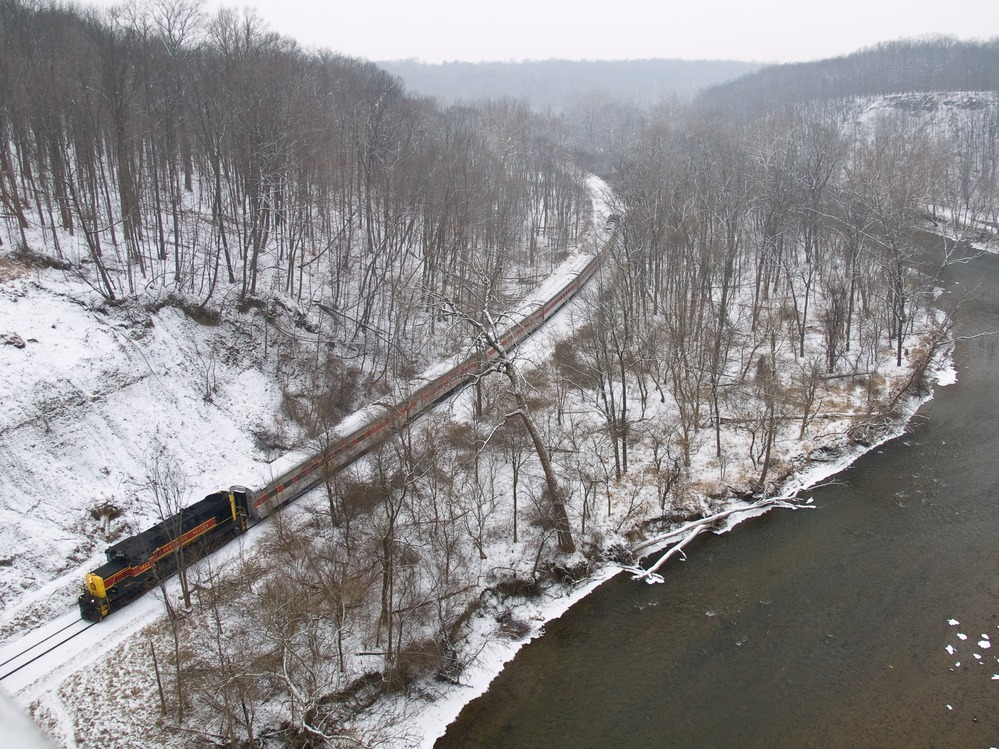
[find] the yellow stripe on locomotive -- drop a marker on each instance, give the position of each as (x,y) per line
(126,575)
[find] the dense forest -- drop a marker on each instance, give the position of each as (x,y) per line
(157,148)
(762,298)
(902,66)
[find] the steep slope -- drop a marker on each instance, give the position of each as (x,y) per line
(96,397)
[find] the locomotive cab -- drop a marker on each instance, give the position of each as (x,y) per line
(242,499)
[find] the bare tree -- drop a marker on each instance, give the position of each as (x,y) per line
(486,323)
(166,480)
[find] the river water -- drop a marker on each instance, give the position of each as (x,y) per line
(819,628)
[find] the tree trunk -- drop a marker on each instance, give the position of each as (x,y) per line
(559,515)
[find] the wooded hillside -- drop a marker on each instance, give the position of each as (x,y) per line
(158,148)
(902,66)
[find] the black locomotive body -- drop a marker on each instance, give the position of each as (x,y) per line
(140,562)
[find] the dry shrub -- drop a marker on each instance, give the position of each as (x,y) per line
(511,626)
(10,269)
(461,436)
(105,512)
(415,660)
(359,498)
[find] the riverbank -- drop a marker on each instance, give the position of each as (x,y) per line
(828,628)
(490,646)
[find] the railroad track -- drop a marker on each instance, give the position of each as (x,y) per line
(39,643)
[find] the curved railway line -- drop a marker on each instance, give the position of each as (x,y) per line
(365,429)
(136,564)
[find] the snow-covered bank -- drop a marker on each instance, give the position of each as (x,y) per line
(496,651)
(94,396)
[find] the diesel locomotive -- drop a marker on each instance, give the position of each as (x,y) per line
(140,562)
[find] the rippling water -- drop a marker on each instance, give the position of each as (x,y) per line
(826,628)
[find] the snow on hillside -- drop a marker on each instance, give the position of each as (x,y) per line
(962,125)
(944,110)
(92,395)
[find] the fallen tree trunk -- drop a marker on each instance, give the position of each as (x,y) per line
(689,531)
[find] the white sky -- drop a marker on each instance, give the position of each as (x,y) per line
(749,30)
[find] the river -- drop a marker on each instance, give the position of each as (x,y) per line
(826,628)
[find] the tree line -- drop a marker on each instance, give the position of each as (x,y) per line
(940,63)
(159,147)
(560,83)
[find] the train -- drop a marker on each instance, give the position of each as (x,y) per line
(138,563)
(142,561)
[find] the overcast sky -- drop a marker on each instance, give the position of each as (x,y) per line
(749,30)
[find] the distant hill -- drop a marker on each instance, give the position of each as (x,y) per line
(559,82)
(898,67)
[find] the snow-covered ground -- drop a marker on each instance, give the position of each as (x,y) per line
(95,395)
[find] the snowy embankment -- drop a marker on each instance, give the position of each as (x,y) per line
(94,395)
(494,652)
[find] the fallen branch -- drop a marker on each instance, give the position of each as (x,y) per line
(690,531)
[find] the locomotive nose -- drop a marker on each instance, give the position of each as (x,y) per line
(90,608)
